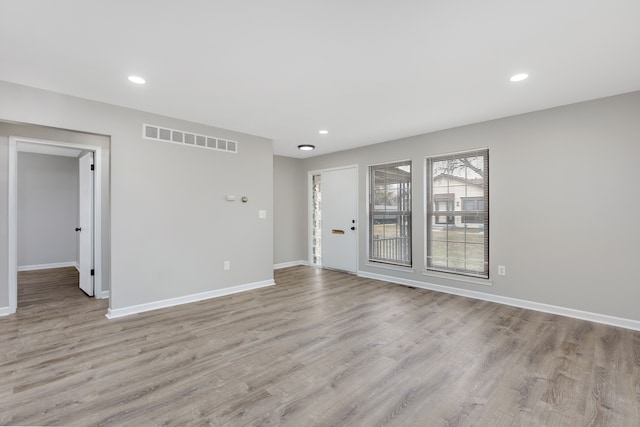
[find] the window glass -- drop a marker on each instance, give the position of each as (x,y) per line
(458,213)
(390,213)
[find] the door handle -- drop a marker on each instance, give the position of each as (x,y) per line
(78,228)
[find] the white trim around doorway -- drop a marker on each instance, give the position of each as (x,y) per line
(13,215)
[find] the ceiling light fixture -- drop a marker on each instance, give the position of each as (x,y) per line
(306,147)
(323,132)
(137,80)
(519,77)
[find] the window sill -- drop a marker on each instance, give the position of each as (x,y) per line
(389,267)
(458,278)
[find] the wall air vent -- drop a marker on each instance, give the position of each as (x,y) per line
(159,133)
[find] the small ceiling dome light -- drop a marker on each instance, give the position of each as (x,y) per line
(323,132)
(519,77)
(137,80)
(306,147)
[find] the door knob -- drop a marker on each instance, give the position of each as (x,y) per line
(78,228)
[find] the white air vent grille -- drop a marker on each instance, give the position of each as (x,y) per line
(159,133)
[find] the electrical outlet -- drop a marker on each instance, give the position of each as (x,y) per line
(502,270)
(227,265)
(262,214)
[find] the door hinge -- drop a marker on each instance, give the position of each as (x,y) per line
(91,167)
(93,272)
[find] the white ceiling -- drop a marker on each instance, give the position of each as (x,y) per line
(366,70)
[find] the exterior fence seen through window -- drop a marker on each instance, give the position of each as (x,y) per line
(390,213)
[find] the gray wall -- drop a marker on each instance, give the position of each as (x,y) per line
(563,193)
(171,227)
(289,222)
(47,209)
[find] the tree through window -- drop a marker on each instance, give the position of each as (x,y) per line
(458,213)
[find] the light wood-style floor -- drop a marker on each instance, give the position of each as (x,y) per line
(321,348)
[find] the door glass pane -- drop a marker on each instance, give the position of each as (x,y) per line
(317,221)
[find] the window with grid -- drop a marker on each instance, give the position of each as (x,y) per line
(458,213)
(390,213)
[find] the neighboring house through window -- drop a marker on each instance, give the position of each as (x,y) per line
(444,208)
(458,213)
(473,207)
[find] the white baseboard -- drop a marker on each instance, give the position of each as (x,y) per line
(5,311)
(103,295)
(46,266)
(545,308)
(290,264)
(134,309)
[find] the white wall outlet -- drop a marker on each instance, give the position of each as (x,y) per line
(227,265)
(502,270)
(262,214)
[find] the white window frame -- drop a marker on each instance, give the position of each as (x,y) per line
(408,261)
(429,212)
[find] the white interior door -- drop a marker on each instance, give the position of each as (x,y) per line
(85,228)
(339,219)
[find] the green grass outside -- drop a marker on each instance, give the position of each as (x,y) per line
(451,247)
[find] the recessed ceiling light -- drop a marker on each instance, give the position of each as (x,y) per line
(137,80)
(306,147)
(323,132)
(519,77)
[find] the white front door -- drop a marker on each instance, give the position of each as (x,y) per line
(85,226)
(339,219)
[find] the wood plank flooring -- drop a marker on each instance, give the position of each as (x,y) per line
(321,348)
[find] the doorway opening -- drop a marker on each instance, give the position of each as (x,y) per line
(89,215)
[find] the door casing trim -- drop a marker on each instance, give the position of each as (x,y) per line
(13,213)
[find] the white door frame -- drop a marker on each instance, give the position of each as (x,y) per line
(310,175)
(13,213)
